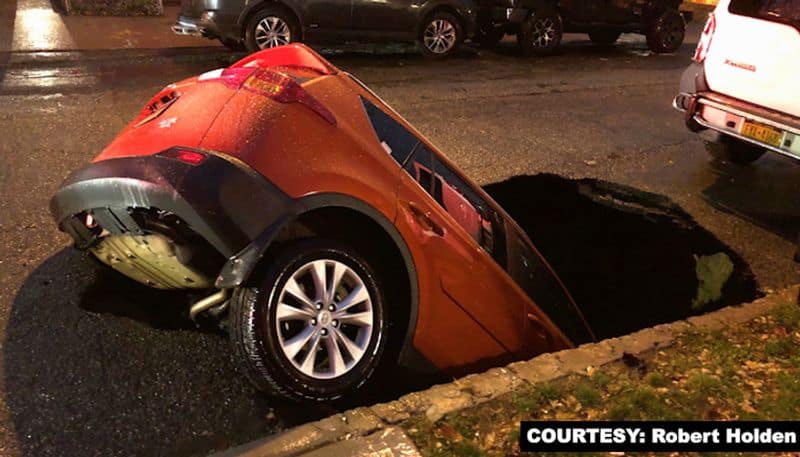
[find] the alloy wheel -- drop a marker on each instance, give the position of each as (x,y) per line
(440,36)
(271,32)
(543,32)
(671,33)
(324,319)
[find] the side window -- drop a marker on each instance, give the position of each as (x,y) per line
(467,208)
(394,138)
(530,272)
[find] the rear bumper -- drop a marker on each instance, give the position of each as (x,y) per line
(729,116)
(196,27)
(216,199)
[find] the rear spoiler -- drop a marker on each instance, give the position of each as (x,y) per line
(291,55)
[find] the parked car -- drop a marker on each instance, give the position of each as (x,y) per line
(439,26)
(739,93)
(540,24)
(337,238)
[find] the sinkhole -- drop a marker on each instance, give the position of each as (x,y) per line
(631,259)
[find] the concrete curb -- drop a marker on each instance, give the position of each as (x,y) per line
(371,431)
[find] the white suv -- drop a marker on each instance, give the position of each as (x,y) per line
(741,90)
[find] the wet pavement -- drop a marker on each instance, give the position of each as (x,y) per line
(35,25)
(95,365)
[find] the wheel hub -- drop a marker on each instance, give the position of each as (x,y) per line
(324,319)
(440,36)
(271,32)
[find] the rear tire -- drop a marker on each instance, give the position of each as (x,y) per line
(605,37)
(734,150)
(270,27)
(440,36)
(289,324)
(540,34)
(667,32)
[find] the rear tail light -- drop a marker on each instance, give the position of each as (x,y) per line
(284,89)
(277,86)
(186,156)
(705,39)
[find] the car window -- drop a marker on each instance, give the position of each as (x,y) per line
(527,268)
(787,11)
(467,208)
(394,138)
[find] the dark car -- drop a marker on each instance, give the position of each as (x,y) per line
(335,237)
(540,24)
(439,26)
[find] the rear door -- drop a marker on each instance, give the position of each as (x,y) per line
(387,16)
(755,53)
(465,237)
(323,17)
(583,11)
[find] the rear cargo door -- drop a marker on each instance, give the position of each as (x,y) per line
(755,53)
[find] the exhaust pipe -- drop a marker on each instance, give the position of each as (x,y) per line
(208,302)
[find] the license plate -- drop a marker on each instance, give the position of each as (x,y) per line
(762,133)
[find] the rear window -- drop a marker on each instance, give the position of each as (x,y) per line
(785,11)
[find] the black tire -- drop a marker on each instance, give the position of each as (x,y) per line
(489,37)
(733,150)
(667,32)
(454,30)
(604,36)
(233,45)
(540,34)
(271,11)
(255,334)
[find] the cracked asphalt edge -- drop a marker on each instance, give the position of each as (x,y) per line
(373,432)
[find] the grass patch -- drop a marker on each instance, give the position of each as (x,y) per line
(587,395)
(748,373)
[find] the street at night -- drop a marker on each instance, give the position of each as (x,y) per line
(96,364)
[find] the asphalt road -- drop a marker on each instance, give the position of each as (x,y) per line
(95,365)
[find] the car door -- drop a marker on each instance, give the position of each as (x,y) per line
(323,18)
(465,237)
(393,17)
(583,11)
(623,11)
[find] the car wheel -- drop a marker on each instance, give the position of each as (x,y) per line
(540,34)
(440,35)
(271,27)
(313,325)
(604,36)
(667,32)
(489,37)
(734,151)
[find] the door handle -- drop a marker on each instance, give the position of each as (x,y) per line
(424,219)
(538,327)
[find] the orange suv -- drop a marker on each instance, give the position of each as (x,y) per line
(333,237)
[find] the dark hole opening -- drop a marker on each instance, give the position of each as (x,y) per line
(628,257)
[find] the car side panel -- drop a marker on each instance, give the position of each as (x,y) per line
(385,15)
(445,334)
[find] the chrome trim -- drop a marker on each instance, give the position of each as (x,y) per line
(734,134)
(748,115)
(186,28)
(675,101)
